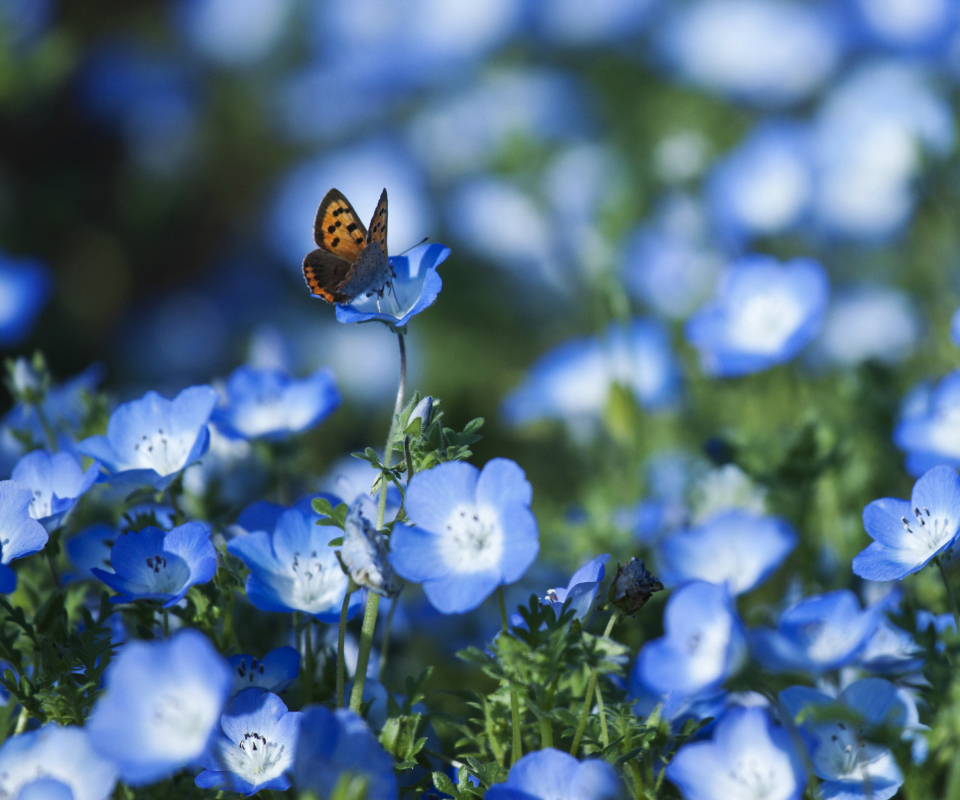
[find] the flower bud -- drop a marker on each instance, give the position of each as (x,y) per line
(364,555)
(632,586)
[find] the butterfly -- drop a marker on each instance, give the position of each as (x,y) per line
(350,260)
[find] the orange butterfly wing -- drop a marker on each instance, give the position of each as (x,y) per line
(325,273)
(338,229)
(378,223)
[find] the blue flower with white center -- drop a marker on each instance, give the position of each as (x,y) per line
(269,404)
(162,706)
(848,765)
(46,789)
(748,757)
(474,532)
(764,314)
(338,745)
(818,634)
(414,289)
(24,288)
(160,565)
(909,534)
(548,774)
(732,547)
(581,590)
(150,440)
(255,746)
(929,427)
(20,534)
(65,755)
(293,568)
(272,673)
(891,651)
(56,481)
(704,643)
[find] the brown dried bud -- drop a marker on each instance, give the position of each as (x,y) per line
(632,586)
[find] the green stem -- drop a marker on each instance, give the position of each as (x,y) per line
(309,663)
(584,714)
(952,600)
(517,749)
(341,662)
(373,599)
(604,733)
(47,427)
(385,644)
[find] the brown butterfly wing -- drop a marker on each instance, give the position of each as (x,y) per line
(325,273)
(378,223)
(338,229)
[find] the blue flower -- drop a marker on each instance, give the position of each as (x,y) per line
(160,565)
(338,744)
(414,289)
(255,747)
(91,548)
(62,754)
(581,590)
(908,535)
(233,34)
(848,765)
(911,27)
(20,534)
(747,757)
(56,482)
(162,706)
(24,288)
(549,773)
(818,634)
(269,404)
(733,547)
(273,673)
(892,651)
(293,568)
(763,315)
(704,643)
(474,532)
(941,623)
(929,428)
(150,440)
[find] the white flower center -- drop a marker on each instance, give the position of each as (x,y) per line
(755,778)
(707,650)
(181,725)
(824,642)
(765,322)
(161,452)
(932,532)
(41,504)
(472,539)
(255,758)
(161,574)
(316,585)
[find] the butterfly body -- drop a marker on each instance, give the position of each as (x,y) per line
(350,260)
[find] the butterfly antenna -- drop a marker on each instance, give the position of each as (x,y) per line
(424,239)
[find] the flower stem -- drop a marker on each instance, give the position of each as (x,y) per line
(373,599)
(385,643)
(516,750)
(309,665)
(341,663)
(588,698)
(47,427)
(952,600)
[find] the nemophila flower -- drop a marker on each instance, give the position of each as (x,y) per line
(548,774)
(848,765)
(153,564)
(704,643)
(732,547)
(921,27)
(24,288)
(150,440)
(818,634)
(293,568)
(581,590)
(20,534)
(364,552)
(764,313)
(338,745)
(415,288)
(941,623)
(45,789)
(909,534)
(747,758)
(272,673)
(891,651)
(269,404)
(91,548)
(65,755)
(161,706)
(929,428)
(255,746)
(56,481)
(474,532)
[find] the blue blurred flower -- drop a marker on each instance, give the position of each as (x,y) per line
(922,27)
(929,427)
(747,757)
(150,440)
(892,651)
(269,404)
(704,643)
(335,745)
(941,623)
(255,746)
(56,481)
(160,565)
(91,548)
(564,23)
(581,590)
(293,568)
(162,705)
(732,547)
(817,634)
(273,673)
(46,789)
(63,754)
(763,315)
(20,534)
(549,773)
(23,21)
(847,764)
(413,290)
(234,33)
(475,532)
(24,290)
(909,534)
